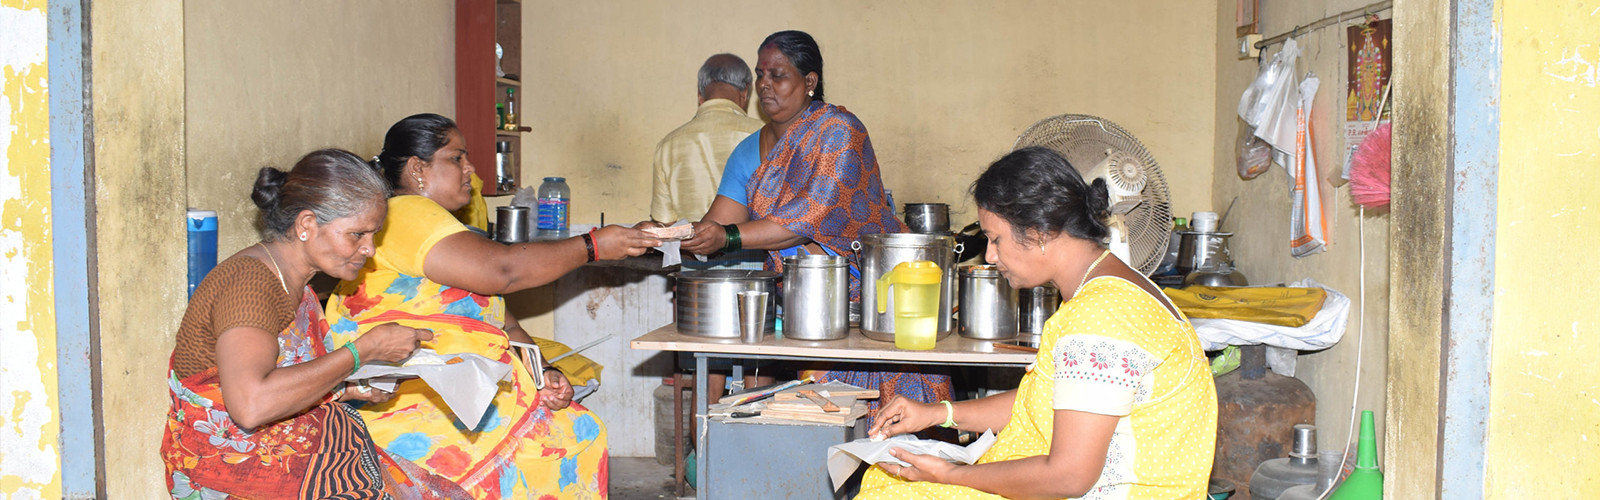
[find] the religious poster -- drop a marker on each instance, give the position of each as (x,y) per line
(1370,64)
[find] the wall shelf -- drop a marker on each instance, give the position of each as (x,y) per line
(480,24)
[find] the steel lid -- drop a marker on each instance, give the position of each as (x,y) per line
(815,261)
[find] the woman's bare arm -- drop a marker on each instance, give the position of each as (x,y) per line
(1078,445)
(471,262)
(257,392)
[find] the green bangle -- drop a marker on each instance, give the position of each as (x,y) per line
(949,415)
(354,354)
(733,243)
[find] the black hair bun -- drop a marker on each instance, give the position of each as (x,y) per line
(269,182)
(1098,200)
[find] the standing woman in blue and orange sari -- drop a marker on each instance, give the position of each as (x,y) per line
(812,183)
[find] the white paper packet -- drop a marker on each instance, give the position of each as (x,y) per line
(466,386)
(843,459)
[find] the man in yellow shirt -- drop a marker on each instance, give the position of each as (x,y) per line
(689,160)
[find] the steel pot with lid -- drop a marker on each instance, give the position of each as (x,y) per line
(707,301)
(880,253)
(988,304)
(816,296)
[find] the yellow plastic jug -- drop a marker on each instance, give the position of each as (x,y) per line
(916,303)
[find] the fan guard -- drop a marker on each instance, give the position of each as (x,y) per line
(1084,141)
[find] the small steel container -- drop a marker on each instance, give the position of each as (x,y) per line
(988,304)
(928,218)
(511,224)
(816,297)
(1034,306)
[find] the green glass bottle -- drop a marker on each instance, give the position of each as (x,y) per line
(1365,482)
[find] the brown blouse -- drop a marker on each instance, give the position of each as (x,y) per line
(240,291)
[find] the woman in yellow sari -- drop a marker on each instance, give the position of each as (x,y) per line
(430,271)
(1120,401)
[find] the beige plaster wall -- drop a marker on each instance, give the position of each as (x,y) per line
(138,86)
(1544,404)
(944,87)
(268,82)
(1260,220)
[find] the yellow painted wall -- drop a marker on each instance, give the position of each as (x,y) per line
(138,128)
(1260,220)
(29,399)
(268,82)
(1544,421)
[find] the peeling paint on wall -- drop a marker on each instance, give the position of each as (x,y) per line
(1578,64)
(29,460)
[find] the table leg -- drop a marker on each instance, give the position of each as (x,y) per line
(700,405)
(679,381)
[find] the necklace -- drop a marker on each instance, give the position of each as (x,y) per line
(280,271)
(1086,272)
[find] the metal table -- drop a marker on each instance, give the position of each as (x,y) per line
(953,350)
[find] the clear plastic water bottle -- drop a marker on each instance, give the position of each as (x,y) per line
(554,197)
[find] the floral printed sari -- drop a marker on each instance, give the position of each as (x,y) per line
(324,452)
(520,449)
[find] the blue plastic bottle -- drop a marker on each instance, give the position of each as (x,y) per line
(202,226)
(554,197)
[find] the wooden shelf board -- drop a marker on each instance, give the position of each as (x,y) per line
(507,82)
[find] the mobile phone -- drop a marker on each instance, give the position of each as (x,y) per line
(532,359)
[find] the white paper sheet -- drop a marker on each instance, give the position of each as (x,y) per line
(844,459)
(467,386)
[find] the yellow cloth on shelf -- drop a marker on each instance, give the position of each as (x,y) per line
(1282,306)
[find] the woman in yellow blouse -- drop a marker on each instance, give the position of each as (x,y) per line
(1120,401)
(430,271)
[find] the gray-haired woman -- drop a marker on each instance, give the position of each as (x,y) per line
(257,398)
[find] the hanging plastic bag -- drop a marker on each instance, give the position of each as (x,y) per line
(1272,90)
(1255,156)
(1308,225)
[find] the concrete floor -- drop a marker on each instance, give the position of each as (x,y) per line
(641,478)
